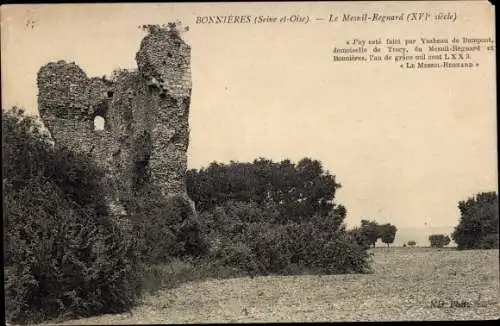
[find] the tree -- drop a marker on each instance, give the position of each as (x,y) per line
(387,233)
(439,240)
(300,191)
(370,231)
(412,243)
(478,225)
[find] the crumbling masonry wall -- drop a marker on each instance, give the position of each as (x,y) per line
(146,131)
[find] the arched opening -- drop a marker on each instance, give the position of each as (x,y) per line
(99,123)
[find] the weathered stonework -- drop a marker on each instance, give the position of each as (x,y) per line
(146,132)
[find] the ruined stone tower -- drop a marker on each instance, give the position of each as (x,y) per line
(146,132)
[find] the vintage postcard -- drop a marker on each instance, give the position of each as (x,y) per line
(249,162)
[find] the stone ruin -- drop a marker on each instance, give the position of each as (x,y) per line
(145,111)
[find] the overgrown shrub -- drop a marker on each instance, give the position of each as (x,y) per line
(237,255)
(228,221)
(488,241)
(358,236)
(167,228)
(439,240)
(64,254)
(320,245)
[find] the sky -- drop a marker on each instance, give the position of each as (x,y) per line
(405,145)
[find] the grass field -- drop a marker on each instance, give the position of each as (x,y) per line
(407,284)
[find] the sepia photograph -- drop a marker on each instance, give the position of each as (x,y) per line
(249,162)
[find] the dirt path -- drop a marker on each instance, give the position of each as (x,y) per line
(404,284)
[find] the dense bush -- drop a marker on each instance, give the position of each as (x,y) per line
(292,248)
(255,244)
(167,229)
(478,226)
(237,255)
(488,241)
(358,236)
(268,217)
(298,190)
(63,253)
(229,219)
(439,240)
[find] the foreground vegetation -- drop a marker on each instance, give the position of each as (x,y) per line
(406,284)
(63,252)
(68,255)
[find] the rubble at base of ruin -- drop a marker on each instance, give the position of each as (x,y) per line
(145,112)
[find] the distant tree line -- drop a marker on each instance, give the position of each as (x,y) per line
(478,227)
(370,232)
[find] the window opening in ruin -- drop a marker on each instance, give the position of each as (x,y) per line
(99,123)
(110,93)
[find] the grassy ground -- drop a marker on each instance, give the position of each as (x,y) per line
(407,284)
